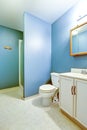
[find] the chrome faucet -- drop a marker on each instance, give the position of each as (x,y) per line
(84,71)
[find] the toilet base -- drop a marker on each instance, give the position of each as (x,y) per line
(46,101)
(46,92)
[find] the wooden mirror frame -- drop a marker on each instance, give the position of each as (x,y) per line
(78,53)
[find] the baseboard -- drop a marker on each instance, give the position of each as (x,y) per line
(27,98)
(74,120)
(20,85)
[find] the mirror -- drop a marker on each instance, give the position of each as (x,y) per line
(78,40)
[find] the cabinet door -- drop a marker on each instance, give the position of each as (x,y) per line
(81,107)
(66,97)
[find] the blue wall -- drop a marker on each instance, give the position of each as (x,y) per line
(37,53)
(9,58)
(61,59)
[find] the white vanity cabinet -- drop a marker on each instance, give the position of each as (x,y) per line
(81,102)
(73,97)
(66,98)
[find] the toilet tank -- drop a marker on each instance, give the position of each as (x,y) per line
(55,79)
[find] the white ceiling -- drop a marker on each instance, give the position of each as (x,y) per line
(11,11)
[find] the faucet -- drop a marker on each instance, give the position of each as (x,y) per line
(84,71)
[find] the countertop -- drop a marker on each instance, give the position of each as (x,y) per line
(74,75)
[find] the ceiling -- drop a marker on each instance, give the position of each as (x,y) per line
(11,11)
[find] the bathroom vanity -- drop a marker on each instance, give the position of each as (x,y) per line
(73,97)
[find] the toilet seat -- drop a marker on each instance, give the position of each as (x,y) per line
(46,88)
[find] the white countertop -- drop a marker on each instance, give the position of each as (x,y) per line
(74,75)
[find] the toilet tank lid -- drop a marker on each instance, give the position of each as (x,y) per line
(54,73)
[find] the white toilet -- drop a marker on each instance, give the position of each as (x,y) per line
(47,91)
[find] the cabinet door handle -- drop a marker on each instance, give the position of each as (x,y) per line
(72,90)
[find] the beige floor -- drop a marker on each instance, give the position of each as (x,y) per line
(16,114)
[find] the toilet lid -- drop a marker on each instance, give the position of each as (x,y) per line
(47,88)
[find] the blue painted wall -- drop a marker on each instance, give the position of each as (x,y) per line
(61,59)
(9,58)
(37,53)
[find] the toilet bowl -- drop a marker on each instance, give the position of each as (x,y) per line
(47,91)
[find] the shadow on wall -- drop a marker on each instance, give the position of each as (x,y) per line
(49,81)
